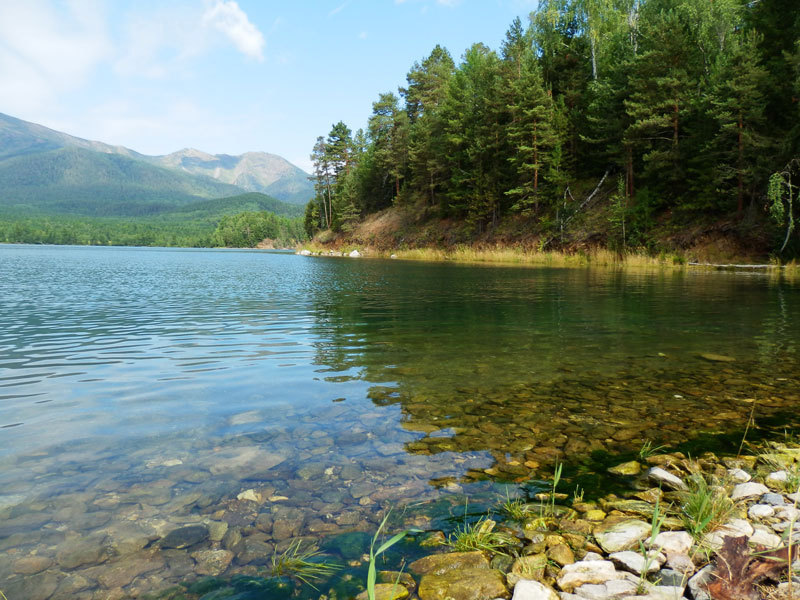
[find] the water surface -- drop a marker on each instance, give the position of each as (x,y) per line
(145,389)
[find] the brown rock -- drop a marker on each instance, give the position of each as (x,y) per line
(31,565)
(464,584)
(123,572)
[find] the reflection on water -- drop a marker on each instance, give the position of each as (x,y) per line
(267,396)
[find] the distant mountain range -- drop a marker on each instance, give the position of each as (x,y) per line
(48,172)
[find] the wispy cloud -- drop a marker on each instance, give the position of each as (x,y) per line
(232,21)
(339,8)
(45,50)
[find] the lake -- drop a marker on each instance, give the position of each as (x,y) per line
(248,398)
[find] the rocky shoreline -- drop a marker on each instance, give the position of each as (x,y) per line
(656,544)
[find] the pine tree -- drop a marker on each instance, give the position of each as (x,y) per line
(737,106)
(534,136)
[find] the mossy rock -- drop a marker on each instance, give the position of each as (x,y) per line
(464,584)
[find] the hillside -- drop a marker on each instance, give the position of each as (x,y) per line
(44,169)
(77,181)
(252,171)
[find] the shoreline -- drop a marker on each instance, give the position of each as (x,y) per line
(516,256)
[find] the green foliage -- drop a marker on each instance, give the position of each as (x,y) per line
(247,229)
(478,536)
(647,450)
(689,101)
(704,507)
(301,563)
(781,194)
(374,553)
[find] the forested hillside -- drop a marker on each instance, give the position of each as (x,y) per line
(683,109)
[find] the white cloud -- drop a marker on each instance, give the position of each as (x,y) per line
(339,8)
(232,21)
(46,50)
(362,35)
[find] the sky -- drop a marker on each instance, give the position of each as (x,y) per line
(224,76)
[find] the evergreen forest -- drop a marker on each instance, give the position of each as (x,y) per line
(679,109)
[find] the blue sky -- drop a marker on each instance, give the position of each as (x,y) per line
(224,76)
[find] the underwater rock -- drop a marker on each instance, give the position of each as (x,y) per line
(184,537)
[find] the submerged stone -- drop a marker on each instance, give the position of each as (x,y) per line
(386,591)
(628,468)
(185,536)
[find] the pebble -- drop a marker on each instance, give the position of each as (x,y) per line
(772,499)
(739,475)
(666,479)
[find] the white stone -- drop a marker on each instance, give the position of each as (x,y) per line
(623,536)
(765,538)
(593,556)
(250,495)
(393,256)
(777,477)
(749,490)
(681,563)
(794,497)
(635,562)
(661,592)
(734,528)
(620,587)
(305,252)
(354,254)
(760,511)
(666,479)
(527,589)
(697,584)
(739,475)
(580,573)
(673,542)
(789,513)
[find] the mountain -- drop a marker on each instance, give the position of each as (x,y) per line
(18,137)
(46,170)
(251,171)
(76,181)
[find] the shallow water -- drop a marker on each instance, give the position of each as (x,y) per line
(142,390)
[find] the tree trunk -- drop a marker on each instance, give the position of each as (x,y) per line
(740,165)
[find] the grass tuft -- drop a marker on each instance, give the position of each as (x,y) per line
(302,563)
(704,507)
(479,536)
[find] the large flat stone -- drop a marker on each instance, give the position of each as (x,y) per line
(439,564)
(616,535)
(581,573)
(464,584)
